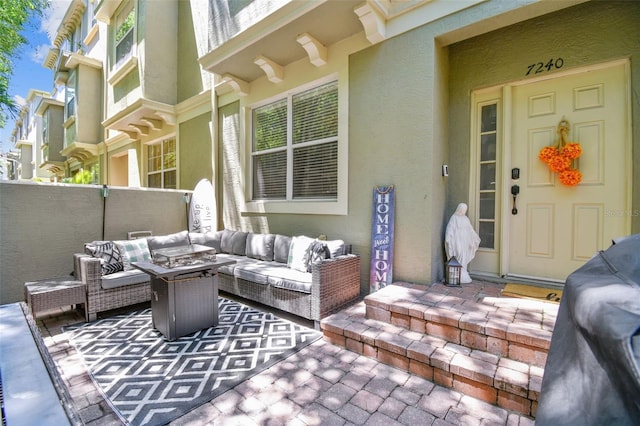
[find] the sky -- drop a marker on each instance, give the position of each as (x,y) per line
(28,71)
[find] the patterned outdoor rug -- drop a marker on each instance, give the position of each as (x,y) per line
(150,381)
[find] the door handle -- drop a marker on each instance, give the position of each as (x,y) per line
(515,190)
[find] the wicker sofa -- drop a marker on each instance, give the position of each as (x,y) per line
(275,270)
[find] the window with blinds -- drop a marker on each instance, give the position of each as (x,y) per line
(295,146)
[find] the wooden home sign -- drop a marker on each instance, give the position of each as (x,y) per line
(381,271)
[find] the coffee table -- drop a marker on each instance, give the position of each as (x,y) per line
(184,299)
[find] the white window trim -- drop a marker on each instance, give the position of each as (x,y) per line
(119,71)
(73,78)
(145,156)
(123,70)
(338,206)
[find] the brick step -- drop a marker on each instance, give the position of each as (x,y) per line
(448,348)
(480,319)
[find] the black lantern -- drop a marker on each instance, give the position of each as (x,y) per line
(453,272)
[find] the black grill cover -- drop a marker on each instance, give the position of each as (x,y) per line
(592,376)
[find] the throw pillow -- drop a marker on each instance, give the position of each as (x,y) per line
(107,252)
(133,251)
(316,253)
(298,258)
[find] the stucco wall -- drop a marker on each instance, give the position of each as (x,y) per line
(585,34)
(157,50)
(196,156)
(89,101)
(190,76)
(42,225)
(55,132)
(392,142)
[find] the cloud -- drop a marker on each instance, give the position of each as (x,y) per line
(53,16)
(39,53)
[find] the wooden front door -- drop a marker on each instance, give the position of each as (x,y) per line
(558,228)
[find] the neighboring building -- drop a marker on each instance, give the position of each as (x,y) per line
(27,138)
(10,165)
(50,109)
(76,59)
(296,110)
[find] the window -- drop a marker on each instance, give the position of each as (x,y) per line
(45,127)
(88,18)
(161,164)
(295,147)
(487,182)
(124,28)
(70,97)
(72,41)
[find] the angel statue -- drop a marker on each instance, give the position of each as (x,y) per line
(461,240)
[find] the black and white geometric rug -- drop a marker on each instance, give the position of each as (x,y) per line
(148,380)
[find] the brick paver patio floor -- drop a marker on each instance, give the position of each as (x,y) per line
(322,384)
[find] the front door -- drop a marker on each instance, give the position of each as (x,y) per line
(556,227)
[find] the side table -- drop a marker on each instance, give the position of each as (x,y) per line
(54,293)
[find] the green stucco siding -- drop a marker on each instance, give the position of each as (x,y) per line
(585,34)
(196,155)
(189,71)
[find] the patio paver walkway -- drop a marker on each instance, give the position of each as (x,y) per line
(323,384)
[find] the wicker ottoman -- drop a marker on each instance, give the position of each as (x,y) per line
(54,293)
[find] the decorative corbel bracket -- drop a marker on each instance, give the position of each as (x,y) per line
(154,123)
(238,85)
(132,135)
(274,71)
(374,24)
(316,51)
(167,117)
(141,128)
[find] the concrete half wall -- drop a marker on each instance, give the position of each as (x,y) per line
(43,225)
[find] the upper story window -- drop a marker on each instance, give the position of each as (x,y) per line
(45,127)
(88,19)
(161,164)
(70,97)
(124,33)
(295,146)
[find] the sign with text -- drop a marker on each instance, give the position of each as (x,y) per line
(202,208)
(381,271)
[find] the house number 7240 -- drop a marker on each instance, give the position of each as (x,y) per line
(542,67)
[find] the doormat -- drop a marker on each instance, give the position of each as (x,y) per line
(148,380)
(525,291)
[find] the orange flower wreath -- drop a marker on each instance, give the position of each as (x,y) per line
(560,157)
(570,177)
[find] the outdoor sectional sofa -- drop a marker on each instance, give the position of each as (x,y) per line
(300,275)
